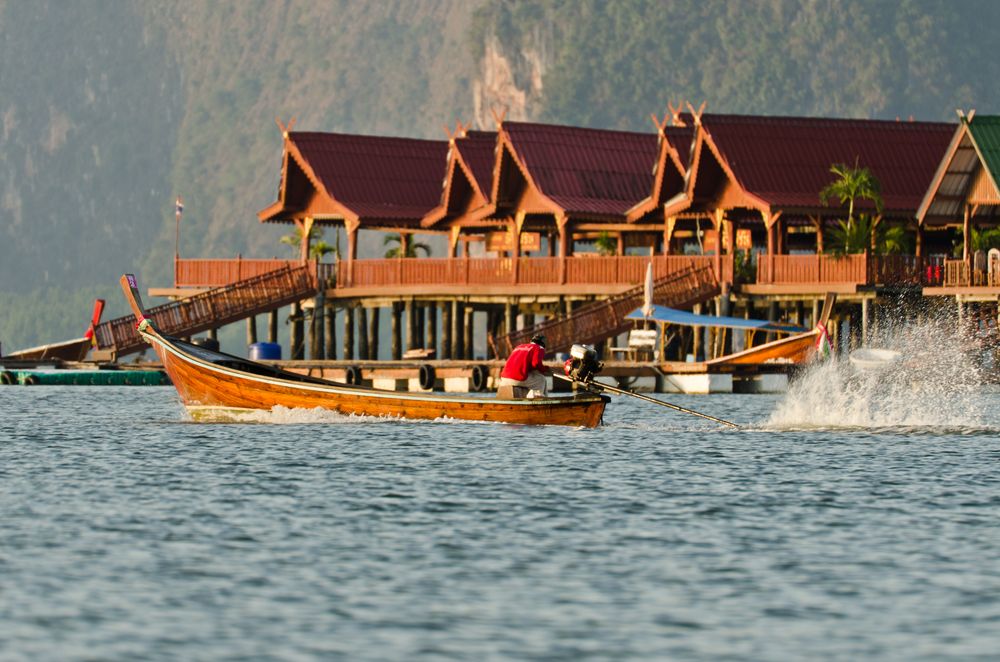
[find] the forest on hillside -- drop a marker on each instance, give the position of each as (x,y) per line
(110,110)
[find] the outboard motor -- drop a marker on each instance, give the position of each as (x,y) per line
(582,364)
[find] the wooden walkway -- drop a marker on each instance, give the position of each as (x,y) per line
(600,320)
(213,308)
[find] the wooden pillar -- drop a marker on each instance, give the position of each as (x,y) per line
(515,249)
(212,333)
(411,324)
(251,330)
(819,234)
(272,326)
(717,221)
(317,345)
(668,233)
(430,327)
(352,251)
(373,329)
(330,332)
(397,333)
(919,249)
(348,353)
(565,248)
(864,322)
(469,317)
(696,334)
(457,330)
(509,317)
(772,316)
(815,313)
(421,333)
(364,352)
(305,227)
(966,252)
(297,349)
(446,349)
(770,248)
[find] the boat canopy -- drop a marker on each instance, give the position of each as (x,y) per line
(664,315)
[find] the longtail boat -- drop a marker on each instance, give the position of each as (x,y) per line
(212,383)
(67,350)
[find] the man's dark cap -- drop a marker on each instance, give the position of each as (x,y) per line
(538,339)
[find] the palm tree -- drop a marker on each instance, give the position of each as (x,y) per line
(606,244)
(316,250)
(852,184)
(864,234)
(411,246)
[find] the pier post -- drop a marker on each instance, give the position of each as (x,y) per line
(272,326)
(509,317)
(330,332)
(397,335)
(726,310)
(213,333)
(457,330)
(364,352)
(251,330)
(373,329)
(815,312)
(317,327)
(696,334)
(296,349)
(411,324)
(468,317)
(430,326)
(864,322)
(772,316)
(446,330)
(348,353)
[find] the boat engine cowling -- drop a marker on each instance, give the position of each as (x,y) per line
(582,364)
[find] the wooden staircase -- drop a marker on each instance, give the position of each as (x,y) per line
(212,308)
(598,321)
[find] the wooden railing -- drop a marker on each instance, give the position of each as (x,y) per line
(213,308)
(597,321)
(219,272)
(577,270)
(859,269)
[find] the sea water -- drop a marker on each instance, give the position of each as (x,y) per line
(848,519)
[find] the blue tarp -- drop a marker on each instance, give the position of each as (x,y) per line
(664,315)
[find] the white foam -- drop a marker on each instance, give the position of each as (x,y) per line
(935,384)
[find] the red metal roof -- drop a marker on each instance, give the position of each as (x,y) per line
(586,170)
(680,138)
(786,161)
(377,177)
(477,150)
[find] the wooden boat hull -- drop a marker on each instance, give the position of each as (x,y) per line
(204,385)
(791,350)
(69,350)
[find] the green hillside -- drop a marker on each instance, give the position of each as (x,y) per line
(110,110)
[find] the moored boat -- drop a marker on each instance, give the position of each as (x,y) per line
(67,350)
(209,381)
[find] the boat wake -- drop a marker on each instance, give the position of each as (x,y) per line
(280,415)
(935,385)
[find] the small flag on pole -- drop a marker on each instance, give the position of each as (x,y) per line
(179,207)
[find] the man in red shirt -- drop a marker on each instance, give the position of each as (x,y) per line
(524,367)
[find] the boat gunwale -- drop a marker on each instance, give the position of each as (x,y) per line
(334,388)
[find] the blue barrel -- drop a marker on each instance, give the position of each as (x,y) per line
(265,351)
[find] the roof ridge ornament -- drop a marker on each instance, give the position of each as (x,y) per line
(675,113)
(285,129)
(696,114)
(498,116)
